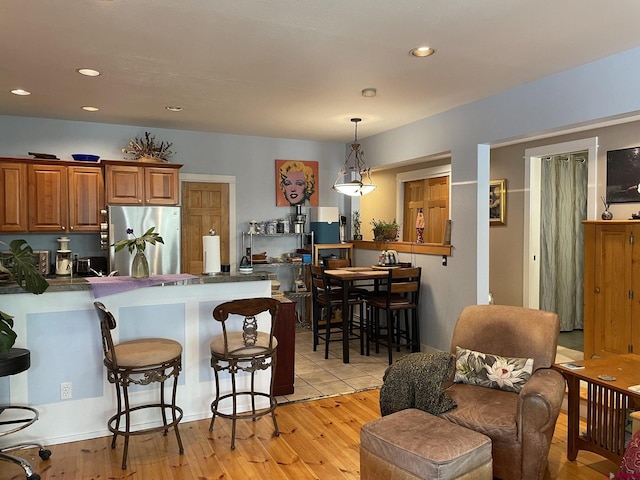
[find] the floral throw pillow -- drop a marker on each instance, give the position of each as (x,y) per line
(492,371)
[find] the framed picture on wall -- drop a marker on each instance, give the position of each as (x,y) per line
(297,183)
(623,175)
(498,202)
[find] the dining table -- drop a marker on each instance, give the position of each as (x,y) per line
(346,277)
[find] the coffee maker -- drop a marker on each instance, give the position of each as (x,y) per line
(64,259)
(343,229)
(299,220)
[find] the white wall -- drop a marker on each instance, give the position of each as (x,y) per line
(586,95)
(250,159)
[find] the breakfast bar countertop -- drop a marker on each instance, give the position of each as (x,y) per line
(76,283)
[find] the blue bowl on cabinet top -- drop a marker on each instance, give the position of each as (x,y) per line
(85,157)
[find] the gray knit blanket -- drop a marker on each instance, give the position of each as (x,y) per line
(417,381)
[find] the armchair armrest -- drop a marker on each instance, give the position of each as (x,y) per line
(539,405)
(540,401)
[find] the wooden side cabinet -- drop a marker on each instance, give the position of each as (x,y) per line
(129,183)
(13,197)
(346,251)
(611,288)
(285,332)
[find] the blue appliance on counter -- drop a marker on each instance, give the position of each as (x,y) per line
(325,224)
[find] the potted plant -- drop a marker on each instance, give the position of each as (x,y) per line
(140,265)
(18,265)
(384,230)
(356,225)
(146,149)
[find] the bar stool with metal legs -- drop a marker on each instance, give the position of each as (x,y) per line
(18,360)
(140,362)
(246,350)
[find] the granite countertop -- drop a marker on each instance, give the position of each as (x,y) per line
(71,284)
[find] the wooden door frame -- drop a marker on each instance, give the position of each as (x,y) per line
(231,181)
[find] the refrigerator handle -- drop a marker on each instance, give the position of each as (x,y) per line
(104,231)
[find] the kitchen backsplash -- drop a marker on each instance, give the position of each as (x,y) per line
(81,244)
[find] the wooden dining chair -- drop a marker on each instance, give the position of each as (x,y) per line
(332,263)
(327,314)
(399,293)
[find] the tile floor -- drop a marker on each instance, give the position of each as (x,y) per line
(316,377)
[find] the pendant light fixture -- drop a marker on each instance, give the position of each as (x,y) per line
(353,185)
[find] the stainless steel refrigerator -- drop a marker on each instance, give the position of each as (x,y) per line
(163,258)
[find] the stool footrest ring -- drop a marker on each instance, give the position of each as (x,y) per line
(172,410)
(273,403)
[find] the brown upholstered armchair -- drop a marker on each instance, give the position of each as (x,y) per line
(520,425)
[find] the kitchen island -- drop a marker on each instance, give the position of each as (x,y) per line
(61,329)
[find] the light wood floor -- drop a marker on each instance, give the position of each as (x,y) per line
(319,440)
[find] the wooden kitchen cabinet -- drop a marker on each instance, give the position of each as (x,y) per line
(65,198)
(48,192)
(86,198)
(611,288)
(129,183)
(13,197)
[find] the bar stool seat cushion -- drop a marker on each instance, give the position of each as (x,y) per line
(146,352)
(237,345)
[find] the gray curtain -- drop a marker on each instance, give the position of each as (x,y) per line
(563,208)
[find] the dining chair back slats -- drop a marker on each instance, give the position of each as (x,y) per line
(398,293)
(328,320)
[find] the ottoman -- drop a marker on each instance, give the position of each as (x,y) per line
(412,444)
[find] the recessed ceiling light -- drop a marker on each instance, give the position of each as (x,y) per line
(173,108)
(369,92)
(422,51)
(90,109)
(19,91)
(88,72)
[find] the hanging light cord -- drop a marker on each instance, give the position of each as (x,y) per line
(358,163)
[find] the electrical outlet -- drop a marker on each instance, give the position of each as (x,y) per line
(65,391)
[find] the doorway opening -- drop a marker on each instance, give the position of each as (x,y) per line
(533,194)
(208,202)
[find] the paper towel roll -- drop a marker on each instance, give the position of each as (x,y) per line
(211,253)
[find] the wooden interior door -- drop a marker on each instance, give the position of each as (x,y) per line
(432,195)
(414,193)
(436,212)
(205,206)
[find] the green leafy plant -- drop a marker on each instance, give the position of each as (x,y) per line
(138,243)
(356,225)
(385,230)
(19,265)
